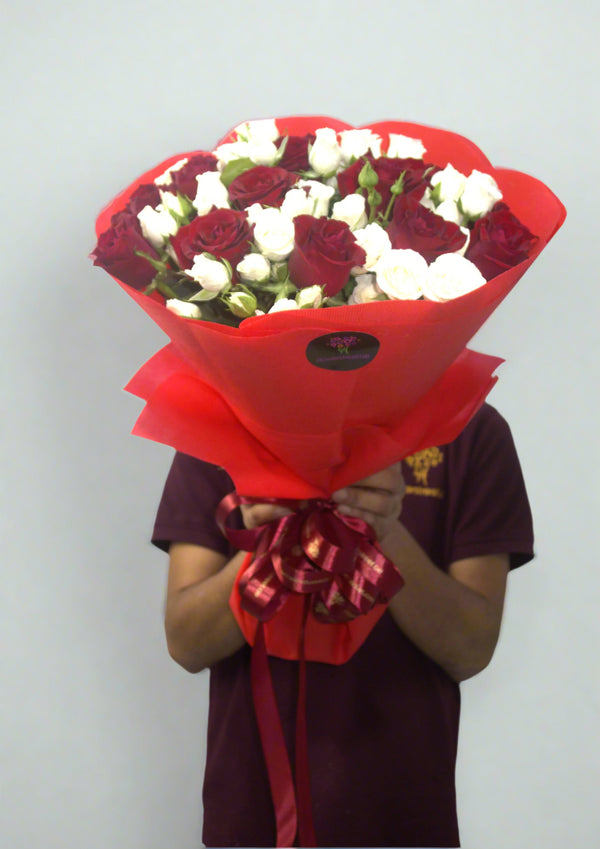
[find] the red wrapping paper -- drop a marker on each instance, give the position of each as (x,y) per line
(255,405)
(324,643)
(248,399)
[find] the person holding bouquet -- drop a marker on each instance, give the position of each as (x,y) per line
(383,726)
(318,284)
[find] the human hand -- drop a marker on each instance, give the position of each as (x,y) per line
(262,513)
(376,499)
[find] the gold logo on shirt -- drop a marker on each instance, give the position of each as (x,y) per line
(420,464)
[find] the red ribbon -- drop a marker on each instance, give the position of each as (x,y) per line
(335,562)
(316,551)
(273,744)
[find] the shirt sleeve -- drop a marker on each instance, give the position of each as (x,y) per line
(186,513)
(488,510)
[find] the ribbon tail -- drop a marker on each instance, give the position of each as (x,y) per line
(305,819)
(273,744)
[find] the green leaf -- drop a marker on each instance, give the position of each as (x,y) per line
(227,265)
(337,300)
(263,286)
(308,175)
(349,287)
(280,271)
(186,206)
(281,150)
(436,194)
(155,263)
(204,295)
(234,168)
(163,287)
(340,299)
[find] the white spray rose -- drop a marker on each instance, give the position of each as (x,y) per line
(157,225)
(352,210)
(254,268)
(229,151)
(264,129)
(242,304)
(404,147)
(279,270)
(260,152)
(325,154)
(172,203)
(211,192)
(448,184)
(183,308)
(451,276)
(427,201)
(283,305)
(253,212)
(355,143)
(297,202)
(480,193)
(166,179)
(211,274)
(310,297)
(374,241)
(309,198)
(319,194)
(274,234)
(449,211)
(400,273)
(365,291)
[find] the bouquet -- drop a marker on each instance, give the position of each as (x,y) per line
(272,222)
(319,284)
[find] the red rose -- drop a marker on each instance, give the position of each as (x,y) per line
(388,170)
(184,179)
(295,155)
(224,233)
(324,254)
(115,252)
(499,241)
(145,195)
(414,226)
(263,184)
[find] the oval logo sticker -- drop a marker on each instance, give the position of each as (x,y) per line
(343,351)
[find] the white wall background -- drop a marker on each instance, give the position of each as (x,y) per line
(102,735)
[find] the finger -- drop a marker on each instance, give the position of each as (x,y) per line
(389,480)
(366,515)
(255,515)
(380,501)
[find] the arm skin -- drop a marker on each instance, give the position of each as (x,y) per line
(199,624)
(454,617)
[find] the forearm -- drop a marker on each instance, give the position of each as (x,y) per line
(200,626)
(453,624)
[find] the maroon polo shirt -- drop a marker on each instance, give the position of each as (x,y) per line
(382,727)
